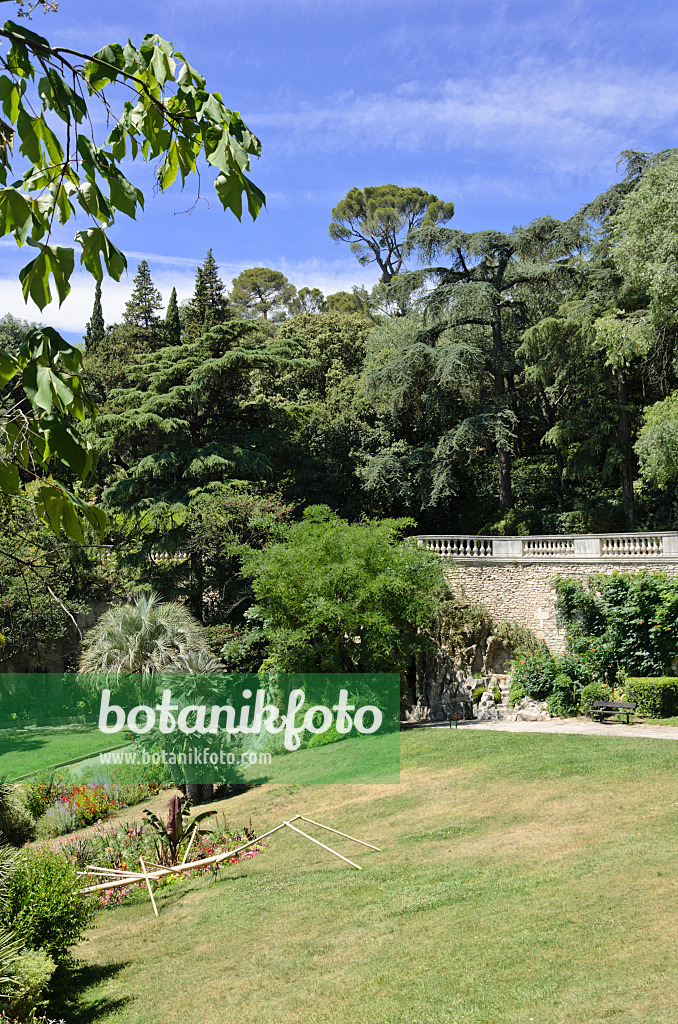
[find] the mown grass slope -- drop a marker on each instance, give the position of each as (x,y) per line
(522,877)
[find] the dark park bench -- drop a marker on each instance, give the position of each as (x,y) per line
(612,707)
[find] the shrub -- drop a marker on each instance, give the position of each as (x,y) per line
(92,803)
(593,692)
(656,697)
(521,640)
(320,739)
(517,692)
(34,799)
(564,698)
(30,975)
(533,676)
(542,675)
(17,824)
(558,705)
(58,820)
(336,596)
(44,907)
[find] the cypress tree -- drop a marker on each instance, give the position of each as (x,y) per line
(95,330)
(172,321)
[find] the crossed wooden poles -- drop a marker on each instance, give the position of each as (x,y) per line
(118,878)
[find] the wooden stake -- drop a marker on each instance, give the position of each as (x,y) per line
(214,859)
(344,834)
(318,843)
(161,872)
(188,848)
(93,869)
(150,891)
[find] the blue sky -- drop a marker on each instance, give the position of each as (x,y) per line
(509,108)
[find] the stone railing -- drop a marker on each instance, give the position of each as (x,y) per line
(605,546)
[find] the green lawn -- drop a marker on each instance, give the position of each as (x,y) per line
(522,877)
(30,750)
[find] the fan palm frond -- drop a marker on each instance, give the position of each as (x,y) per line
(143,637)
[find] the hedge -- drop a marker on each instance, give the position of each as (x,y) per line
(656,696)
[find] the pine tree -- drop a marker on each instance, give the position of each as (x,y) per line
(95,330)
(208,306)
(140,310)
(172,321)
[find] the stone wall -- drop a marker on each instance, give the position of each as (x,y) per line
(61,656)
(522,591)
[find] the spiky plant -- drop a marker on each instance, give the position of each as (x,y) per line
(10,947)
(145,636)
(195,663)
(195,667)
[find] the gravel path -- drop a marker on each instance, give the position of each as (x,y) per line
(572,726)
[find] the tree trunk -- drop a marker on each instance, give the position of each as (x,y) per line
(560,463)
(624,439)
(503,452)
(198,573)
(199,792)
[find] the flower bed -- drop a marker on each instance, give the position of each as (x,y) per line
(121,845)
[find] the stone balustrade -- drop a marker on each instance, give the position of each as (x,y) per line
(609,547)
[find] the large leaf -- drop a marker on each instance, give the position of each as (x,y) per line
(95,244)
(10,481)
(53,261)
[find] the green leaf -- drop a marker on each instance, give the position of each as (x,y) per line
(16,216)
(54,260)
(97,75)
(52,500)
(9,367)
(30,142)
(37,384)
(96,243)
(92,199)
(229,189)
(11,94)
(124,196)
(97,519)
(255,198)
(10,481)
(68,446)
(71,522)
(167,171)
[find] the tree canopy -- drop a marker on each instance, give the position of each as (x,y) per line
(167,115)
(376,220)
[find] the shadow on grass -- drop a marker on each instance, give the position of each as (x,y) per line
(17,742)
(70,984)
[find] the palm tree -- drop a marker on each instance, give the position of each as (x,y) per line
(195,663)
(193,666)
(145,636)
(148,637)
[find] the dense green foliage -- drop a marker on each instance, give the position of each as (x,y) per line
(656,698)
(621,624)
(342,597)
(618,626)
(559,680)
(65,169)
(43,906)
(502,382)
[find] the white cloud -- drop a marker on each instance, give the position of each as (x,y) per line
(575,113)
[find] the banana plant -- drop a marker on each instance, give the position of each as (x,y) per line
(173,836)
